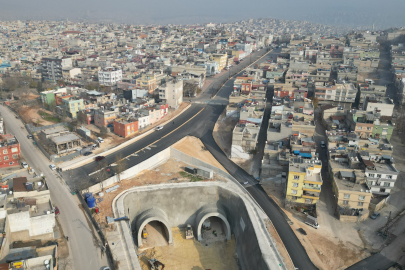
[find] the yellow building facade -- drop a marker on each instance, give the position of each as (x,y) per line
(221,59)
(148,82)
(304,181)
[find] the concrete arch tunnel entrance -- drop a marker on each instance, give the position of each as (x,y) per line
(158,233)
(218,222)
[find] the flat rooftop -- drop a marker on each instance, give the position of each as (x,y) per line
(55,130)
(349,185)
(65,138)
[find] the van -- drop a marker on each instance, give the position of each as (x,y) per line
(100,140)
(311,221)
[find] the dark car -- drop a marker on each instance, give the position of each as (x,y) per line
(98,158)
(29,136)
(56,211)
(375,215)
(87,153)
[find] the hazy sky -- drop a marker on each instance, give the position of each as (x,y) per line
(351,13)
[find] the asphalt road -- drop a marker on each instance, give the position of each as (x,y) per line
(201,126)
(84,252)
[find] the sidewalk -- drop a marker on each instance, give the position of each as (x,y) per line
(82,160)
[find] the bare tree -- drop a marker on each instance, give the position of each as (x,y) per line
(82,117)
(101,173)
(121,165)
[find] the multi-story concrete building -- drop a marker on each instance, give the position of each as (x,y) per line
(304,180)
(380,175)
(221,59)
(104,118)
(72,106)
(52,68)
(172,92)
(109,76)
(9,151)
(125,127)
(148,82)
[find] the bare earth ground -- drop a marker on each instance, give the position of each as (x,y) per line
(223,132)
(191,255)
(324,250)
(223,137)
(280,245)
(30,115)
(194,147)
(168,172)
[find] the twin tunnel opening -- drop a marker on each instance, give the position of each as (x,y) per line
(157,232)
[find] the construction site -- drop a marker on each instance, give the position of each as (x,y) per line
(188,213)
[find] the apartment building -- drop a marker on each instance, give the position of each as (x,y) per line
(147,81)
(104,118)
(125,127)
(381,175)
(221,59)
(52,68)
(9,151)
(172,92)
(109,76)
(304,180)
(72,106)
(384,106)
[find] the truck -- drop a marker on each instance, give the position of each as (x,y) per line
(144,233)
(311,221)
(189,232)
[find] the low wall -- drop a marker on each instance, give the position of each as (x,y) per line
(375,207)
(148,164)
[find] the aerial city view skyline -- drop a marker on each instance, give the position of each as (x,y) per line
(205,136)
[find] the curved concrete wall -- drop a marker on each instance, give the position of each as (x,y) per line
(211,211)
(183,206)
(153,214)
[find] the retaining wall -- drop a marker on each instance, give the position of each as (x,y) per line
(182,205)
(147,164)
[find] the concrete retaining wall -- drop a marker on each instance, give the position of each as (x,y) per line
(182,205)
(152,214)
(148,164)
(375,207)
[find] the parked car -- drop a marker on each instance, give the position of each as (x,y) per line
(375,215)
(87,153)
(53,167)
(100,140)
(29,136)
(159,128)
(24,165)
(57,212)
(98,158)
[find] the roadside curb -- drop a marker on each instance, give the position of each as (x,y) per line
(120,146)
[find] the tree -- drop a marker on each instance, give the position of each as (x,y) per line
(101,171)
(10,84)
(315,102)
(52,106)
(103,131)
(400,122)
(61,83)
(82,117)
(40,87)
(120,165)
(33,84)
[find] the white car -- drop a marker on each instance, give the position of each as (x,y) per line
(53,167)
(159,128)
(24,165)
(100,140)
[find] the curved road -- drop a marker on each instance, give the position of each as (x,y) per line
(205,115)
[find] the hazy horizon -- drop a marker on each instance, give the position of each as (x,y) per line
(345,13)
